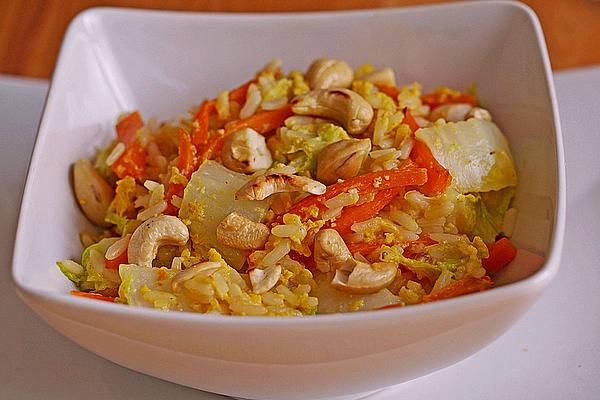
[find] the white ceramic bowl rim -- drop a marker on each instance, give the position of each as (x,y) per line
(539,279)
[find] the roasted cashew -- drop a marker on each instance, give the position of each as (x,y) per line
(93,193)
(342,105)
(240,232)
(479,113)
(364,278)
(459,112)
(263,186)
(206,268)
(384,76)
(154,233)
(342,160)
(263,280)
(330,251)
(246,151)
(326,73)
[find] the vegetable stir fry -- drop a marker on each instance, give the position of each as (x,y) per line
(333,190)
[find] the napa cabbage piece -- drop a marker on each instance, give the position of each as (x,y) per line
(92,273)
(72,270)
(98,277)
(147,287)
(300,145)
(461,257)
(475,152)
(332,300)
(208,198)
(482,214)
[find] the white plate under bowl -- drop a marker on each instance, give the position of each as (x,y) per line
(114,60)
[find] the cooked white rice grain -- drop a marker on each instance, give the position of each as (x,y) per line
(288,295)
(404,220)
(288,231)
(446,237)
(405,148)
(247,309)
(153,211)
(115,154)
(222,105)
(343,200)
(440,210)
(253,100)
(274,104)
(331,213)
(176,201)
(117,248)
(272,299)
(279,251)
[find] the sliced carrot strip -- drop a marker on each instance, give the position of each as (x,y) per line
(115,262)
(132,162)
(91,295)
(502,252)
(437,99)
(391,91)
(460,288)
(128,126)
(187,154)
(352,215)
(262,122)
(200,124)
(407,174)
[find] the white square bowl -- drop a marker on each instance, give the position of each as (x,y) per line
(115,60)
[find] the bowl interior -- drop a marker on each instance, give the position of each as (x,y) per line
(160,63)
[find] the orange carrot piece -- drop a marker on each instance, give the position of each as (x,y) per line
(132,162)
(417,247)
(407,174)
(239,94)
(437,99)
(459,288)
(502,252)
(363,248)
(128,126)
(363,212)
(391,91)
(410,120)
(115,262)
(438,177)
(91,295)
(200,124)
(262,122)
(187,154)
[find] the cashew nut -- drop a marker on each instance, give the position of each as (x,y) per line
(342,160)
(154,233)
(246,151)
(263,280)
(342,105)
(479,113)
(263,186)
(240,232)
(459,112)
(384,76)
(93,193)
(206,268)
(364,278)
(331,252)
(326,73)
